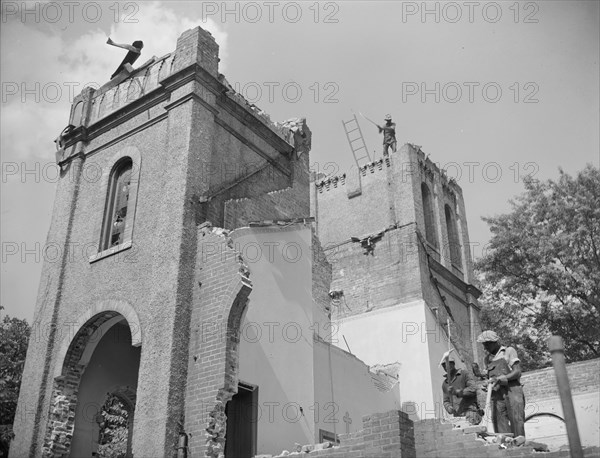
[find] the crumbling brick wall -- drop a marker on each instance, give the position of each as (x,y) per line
(387,276)
(393,435)
(286,203)
(361,194)
(218,305)
(436,439)
(321,275)
(384,435)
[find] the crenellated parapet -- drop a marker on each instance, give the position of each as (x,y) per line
(354,175)
(157,85)
(431,172)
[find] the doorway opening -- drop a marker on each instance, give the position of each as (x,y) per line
(242,420)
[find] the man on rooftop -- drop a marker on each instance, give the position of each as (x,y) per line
(389,135)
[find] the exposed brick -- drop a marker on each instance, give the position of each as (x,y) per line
(584,376)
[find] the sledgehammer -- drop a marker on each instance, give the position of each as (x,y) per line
(488,422)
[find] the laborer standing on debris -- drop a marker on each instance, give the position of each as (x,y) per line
(389,134)
(504,371)
(460,395)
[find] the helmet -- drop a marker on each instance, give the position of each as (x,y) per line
(488,336)
(388,117)
(449,355)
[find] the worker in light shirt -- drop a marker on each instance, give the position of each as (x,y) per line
(504,373)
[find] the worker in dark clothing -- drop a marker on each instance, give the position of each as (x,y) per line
(135,50)
(460,395)
(504,372)
(389,135)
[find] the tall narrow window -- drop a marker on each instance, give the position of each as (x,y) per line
(429,215)
(115,217)
(453,240)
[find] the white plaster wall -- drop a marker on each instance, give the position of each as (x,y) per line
(276,342)
(396,334)
(344,390)
(323,326)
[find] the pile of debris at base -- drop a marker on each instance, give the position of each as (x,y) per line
(493,440)
(500,440)
(432,439)
(301,450)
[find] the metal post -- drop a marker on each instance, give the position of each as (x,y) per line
(555,345)
(182,446)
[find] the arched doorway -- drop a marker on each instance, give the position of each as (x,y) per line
(99,363)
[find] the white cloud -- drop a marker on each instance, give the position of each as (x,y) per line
(41,71)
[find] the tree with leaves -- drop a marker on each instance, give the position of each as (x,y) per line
(541,274)
(14,337)
(114,428)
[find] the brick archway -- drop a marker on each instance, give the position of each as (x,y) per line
(217,420)
(114,307)
(61,417)
(216,319)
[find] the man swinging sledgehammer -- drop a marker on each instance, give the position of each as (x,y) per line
(389,135)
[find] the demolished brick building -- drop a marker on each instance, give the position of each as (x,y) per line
(223,286)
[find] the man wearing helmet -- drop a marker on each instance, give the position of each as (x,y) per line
(389,135)
(504,373)
(460,391)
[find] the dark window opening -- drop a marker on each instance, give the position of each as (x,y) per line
(115,219)
(429,215)
(453,240)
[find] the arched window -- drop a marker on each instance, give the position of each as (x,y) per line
(115,216)
(116,202)
(429,215)
(453,240)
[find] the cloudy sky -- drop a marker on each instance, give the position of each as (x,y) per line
(493,91)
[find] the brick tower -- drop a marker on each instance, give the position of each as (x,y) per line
(146,161)
(395,232)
